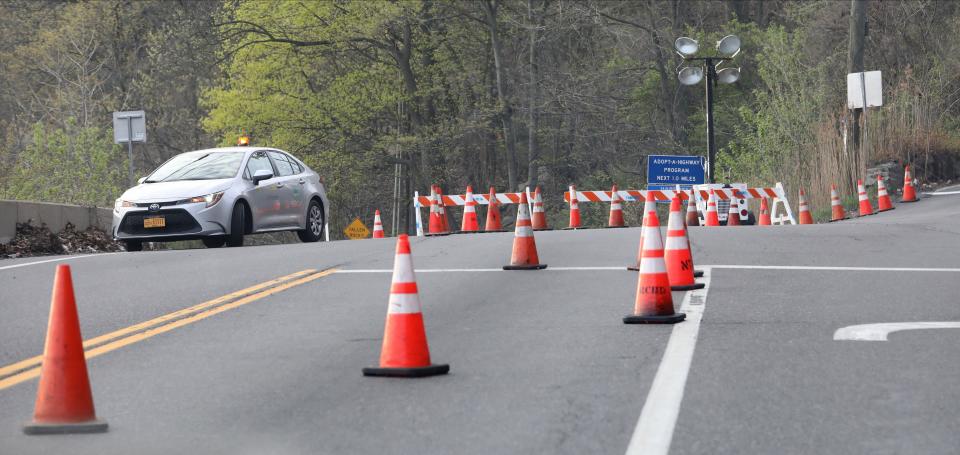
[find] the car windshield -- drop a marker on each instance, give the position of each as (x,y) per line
(198,166)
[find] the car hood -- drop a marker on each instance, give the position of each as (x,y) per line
(182,189)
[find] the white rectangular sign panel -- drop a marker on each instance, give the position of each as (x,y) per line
(860,84)
(123,122)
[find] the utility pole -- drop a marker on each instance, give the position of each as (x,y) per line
(858,32)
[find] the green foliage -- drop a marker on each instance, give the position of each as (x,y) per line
(71,165)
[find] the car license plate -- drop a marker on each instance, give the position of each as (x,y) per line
(154,222)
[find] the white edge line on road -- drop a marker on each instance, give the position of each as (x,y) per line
(563,269)
(68,258)
(879,332)
(654,431)
(854,269)
(942,193)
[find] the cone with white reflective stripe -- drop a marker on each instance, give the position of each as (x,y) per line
(883,199)
(469,222)
(616,210)
(444,215)
(733,214)
(764,213)
(539,218)
(712,219)
(493,224)
(524,256)
(649,205)
(909,192)
(377,225)
(865,207)
(436,219)
(677,253)
(693,218)
(574,210)
(805,217)
(654,303)
(405,352)
(836,207)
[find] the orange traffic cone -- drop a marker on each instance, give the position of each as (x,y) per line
(649,205)
(444,215)
(64,401)
(865,207)
(524,256)
(574,210)
(493,224)
(654,303)
(712,219)
(436,218)
(733,214)
(539,219)
(836,207)
(469,222)
(764,213)
(805,217)
(883,199)
(377,225)
(909,192)
(693,219)
(616,210)
(678,256)
(405,352)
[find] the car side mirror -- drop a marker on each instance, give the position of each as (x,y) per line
(140,180)
(262,175)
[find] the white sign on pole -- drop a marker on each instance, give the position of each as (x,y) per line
(864,87)
(125,122)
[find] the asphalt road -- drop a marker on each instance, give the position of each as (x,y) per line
(540,361)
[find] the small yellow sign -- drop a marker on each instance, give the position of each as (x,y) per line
(357,230)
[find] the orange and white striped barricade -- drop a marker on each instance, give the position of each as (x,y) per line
(459,200)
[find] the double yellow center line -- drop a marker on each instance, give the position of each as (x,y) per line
(24,370)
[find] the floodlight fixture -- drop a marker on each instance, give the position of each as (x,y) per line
(691,75)
(729,46)
(686,46)
(728,75)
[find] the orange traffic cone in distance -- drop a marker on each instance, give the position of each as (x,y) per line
(444,214)
(693,218)
(649,205)
(836,206)
(377,225)
(616,210)
(712,219)
(539,218)
(469,222)
(436,226)
(677,254)
(865,207)
(574,210)
(733,214)
(524,255)
(64,400)
(764,213)
(654,302)
(883,199)
(805,217)
(405,352)
(909,192)
(494,222)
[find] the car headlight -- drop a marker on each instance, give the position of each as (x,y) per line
(120,203)
(210,199)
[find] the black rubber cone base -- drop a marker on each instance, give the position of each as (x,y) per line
(543,229)
(525,267)
(91,426)
(614,227)
(633,268)
(697,273)
(438,234)
(886,210)
(668,319)
(687,287)
(416,372)
(493,230)
(468,232)
(841,219)
(915,200)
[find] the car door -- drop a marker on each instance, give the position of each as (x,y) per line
(264,198)
(288,189)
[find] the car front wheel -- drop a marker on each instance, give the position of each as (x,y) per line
(315,223)
(214,242)
(238,222)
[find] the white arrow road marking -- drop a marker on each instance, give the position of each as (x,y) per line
(654,431)
(879,332)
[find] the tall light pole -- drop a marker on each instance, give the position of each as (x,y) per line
(727,49)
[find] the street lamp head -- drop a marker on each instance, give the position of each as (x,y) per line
(729,46)
(691,75)
(686,46)
(728,75)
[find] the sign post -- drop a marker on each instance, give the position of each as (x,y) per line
(129,127)
(666,172)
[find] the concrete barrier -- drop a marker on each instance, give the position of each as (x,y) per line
(55,216)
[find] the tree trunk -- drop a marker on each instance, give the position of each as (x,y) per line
(506,109)
(534,21)
(858,31)
(666,94)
